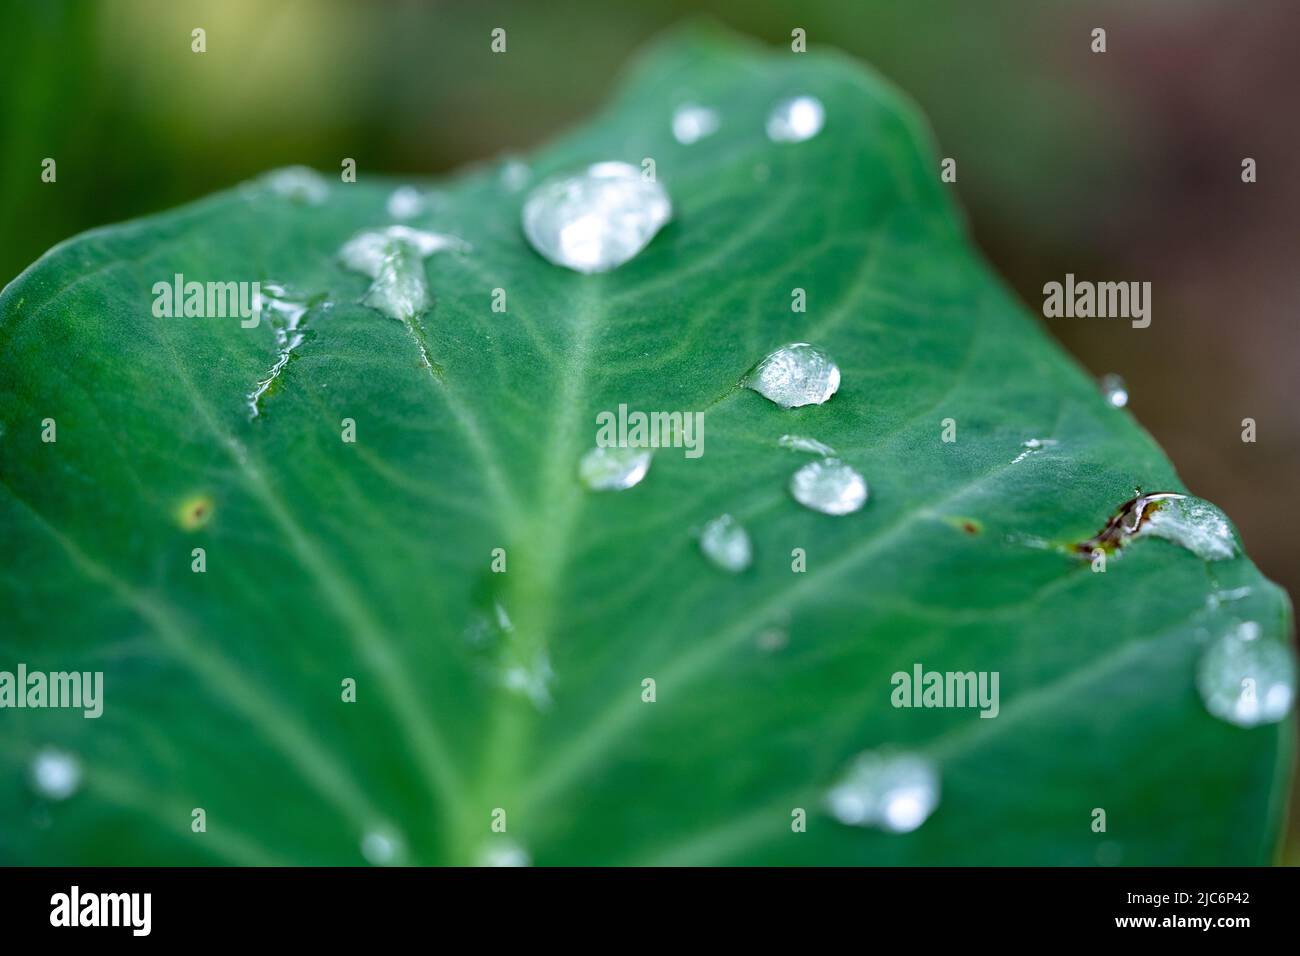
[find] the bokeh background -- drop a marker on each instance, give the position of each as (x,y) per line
(1119,166)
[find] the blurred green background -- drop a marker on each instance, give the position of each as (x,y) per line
(1119,166)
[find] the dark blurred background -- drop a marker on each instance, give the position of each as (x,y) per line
(1119,166)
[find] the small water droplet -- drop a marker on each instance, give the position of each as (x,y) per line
(772,639)
(1195,524)
(597,220)
(298,184)
(56,775)
(1114,389)
(405,202)
(891,791)
(796,119)
(1246,679)
(692,123)
(1216,599)
(1031,446)
(531,678)
(803,443)
(829,486)
(515,175)
(725,542)
(502,851)
(383,846)
(614,468)
(795,375)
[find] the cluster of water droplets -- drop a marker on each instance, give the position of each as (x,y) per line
(1246,679)
(522,670)
(889,790)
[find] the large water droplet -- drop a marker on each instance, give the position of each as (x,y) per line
(298,184)
(597,220)
(895,792)
(503,851)
(804,443)
(795,375)
(1245,679)
(796,119)
(1195,524)
(692,122)
(614,468)
(829,486)
(56,775)
(383,846)
(725,542)
(1115,391)
(394,259)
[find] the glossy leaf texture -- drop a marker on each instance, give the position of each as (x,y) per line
(371,560)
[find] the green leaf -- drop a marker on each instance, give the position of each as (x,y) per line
(371,560)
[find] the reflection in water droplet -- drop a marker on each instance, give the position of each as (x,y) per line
(298,184)
(503,851)
(829,486)
(56,775)
(1195,524)
(692,122)
(795,375)
(405,202)
(796,119)
(597,220)
(383,846)
(614,468)
(1114,389)
(1245,679)
(725,542)
(803,443)
(891,791)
